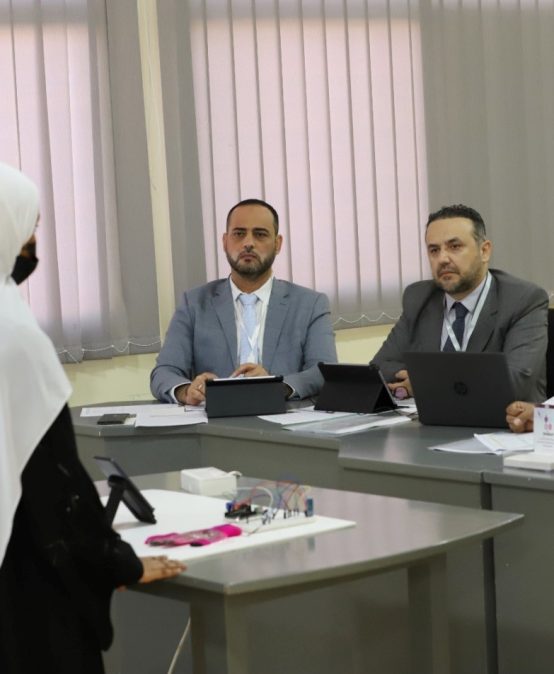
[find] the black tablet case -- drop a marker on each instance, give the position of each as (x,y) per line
(246,396)
(353,388)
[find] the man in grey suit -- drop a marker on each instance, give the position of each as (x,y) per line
(469,307)
(250,324)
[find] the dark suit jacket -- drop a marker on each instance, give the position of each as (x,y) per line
(513,320)
(202,337)
(61,566)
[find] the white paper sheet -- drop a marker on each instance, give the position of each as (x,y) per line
(304,415)
(123,409)
(406,407)
(351,424)
(181,512)
(503,442)
(465,446)
(174,416)
(153,416)
(490,443)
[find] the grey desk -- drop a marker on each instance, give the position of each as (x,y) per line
(140,451)
(390,462)
(398,462)
(248,444)
(391,534)
(398,456)
(524,563)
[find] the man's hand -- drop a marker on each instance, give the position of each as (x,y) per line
(256,370)
(519,416)
(195,392)
(403,382)
(250,370)
(158,568)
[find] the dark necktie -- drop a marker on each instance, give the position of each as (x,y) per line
(457,326)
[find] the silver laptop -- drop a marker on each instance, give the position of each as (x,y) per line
(460,388)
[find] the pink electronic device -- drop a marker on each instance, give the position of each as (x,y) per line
(195,538)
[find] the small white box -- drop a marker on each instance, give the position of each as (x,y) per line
(208,481)
(531,461)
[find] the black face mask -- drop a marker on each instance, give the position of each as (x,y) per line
(25,266)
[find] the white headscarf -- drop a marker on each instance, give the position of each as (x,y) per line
(33,385)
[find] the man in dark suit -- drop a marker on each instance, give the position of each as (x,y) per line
(469,307)
(249,324)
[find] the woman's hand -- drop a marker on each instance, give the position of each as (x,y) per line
(158,568)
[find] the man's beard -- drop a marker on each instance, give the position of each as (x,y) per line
(466,283)
(252,270)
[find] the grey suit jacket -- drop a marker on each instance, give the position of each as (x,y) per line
(513,320)
(202,337)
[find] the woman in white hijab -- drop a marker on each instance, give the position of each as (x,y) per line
(59,560)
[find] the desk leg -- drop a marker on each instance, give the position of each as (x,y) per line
(219,635)
(429,617)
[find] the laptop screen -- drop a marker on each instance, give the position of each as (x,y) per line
(460,388)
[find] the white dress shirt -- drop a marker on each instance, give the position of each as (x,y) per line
(263,294)
(470,303)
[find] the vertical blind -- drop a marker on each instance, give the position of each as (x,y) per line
(57,125)
(353,117)
(490,105)
(317,107)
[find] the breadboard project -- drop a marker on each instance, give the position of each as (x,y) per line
(180,512)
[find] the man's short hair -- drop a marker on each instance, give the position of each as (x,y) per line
(256,202)
(461,211)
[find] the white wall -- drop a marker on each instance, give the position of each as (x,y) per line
(127,377)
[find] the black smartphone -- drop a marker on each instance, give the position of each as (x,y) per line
(124,489)
(107,419)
